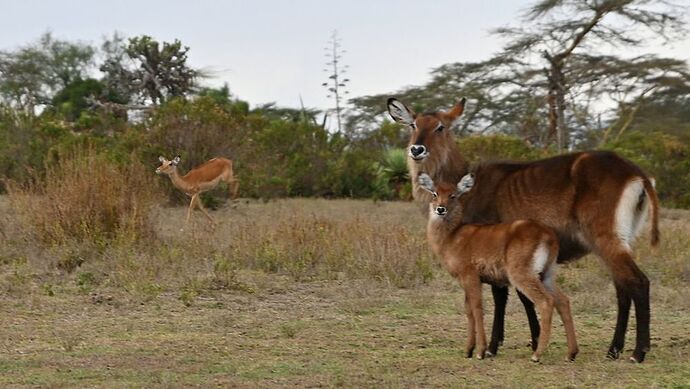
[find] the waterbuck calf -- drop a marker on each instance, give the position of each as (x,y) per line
(522,253)
(596,201)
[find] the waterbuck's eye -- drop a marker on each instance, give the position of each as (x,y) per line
(439,128)
(452,196)
(434,194)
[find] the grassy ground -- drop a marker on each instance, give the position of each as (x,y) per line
(213,307)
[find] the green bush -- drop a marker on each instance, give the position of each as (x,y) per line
(498,147)
(663,156)
(392,177)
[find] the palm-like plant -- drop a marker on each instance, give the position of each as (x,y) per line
(392,179)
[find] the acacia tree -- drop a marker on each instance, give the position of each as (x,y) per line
(142,71)
(500,99)
(555,31)
(162,72)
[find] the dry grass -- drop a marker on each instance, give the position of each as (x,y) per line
(84,197)
(302,292)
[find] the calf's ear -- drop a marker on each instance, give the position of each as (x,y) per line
(466,183)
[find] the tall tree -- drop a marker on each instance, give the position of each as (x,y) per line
(554,31)
(31,75)
(162,70)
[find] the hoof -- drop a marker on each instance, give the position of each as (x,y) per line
(637,356)
(535,359)
(613,353)
(493,348)
(481,354)
(468,353)
(489,354)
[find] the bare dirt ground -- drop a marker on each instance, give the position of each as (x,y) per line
(276,331)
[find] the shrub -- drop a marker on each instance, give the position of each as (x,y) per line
(498,147)
(663,156)
(392,177)
(86,197)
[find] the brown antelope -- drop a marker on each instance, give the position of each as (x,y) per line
(596,201)
(522,253)
(200,179)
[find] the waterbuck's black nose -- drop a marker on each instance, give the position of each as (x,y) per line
(441,210)
(417,150)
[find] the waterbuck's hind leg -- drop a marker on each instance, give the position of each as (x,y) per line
(531,319)
(535,291)
(624,302)
(562,304)
(632,285)
(500,294)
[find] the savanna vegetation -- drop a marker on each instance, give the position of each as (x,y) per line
(315,277)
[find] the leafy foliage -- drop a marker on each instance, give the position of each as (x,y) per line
(665,157)
(392,177)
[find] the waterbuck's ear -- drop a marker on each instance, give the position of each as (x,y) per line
(399,112)
(457,110)
(161,158)
(426,182)
(466,183)
(176,160)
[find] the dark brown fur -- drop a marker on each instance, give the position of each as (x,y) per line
(575,194)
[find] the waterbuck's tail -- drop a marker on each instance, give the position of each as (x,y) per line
(649,187)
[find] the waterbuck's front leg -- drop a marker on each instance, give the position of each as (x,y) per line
(500,294)
(531,319)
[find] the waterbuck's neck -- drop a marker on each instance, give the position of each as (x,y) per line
(443,166)
(440,229)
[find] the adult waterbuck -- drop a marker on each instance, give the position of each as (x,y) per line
(596,201)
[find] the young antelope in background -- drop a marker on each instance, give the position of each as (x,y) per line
(522,253)
(200,179)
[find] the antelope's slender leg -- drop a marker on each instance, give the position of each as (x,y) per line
(191,207)
(201,207)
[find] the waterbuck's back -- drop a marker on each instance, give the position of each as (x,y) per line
(575,194)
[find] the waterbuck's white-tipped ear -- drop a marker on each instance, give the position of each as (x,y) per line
(466,183)
(399,112)
(176,160)
(161,158)
(652,181)
(426,182)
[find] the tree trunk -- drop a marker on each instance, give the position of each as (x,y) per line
(558,132)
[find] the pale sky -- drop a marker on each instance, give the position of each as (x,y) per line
(272,51)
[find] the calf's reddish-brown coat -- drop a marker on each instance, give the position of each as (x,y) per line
(596,202)
(522,253)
